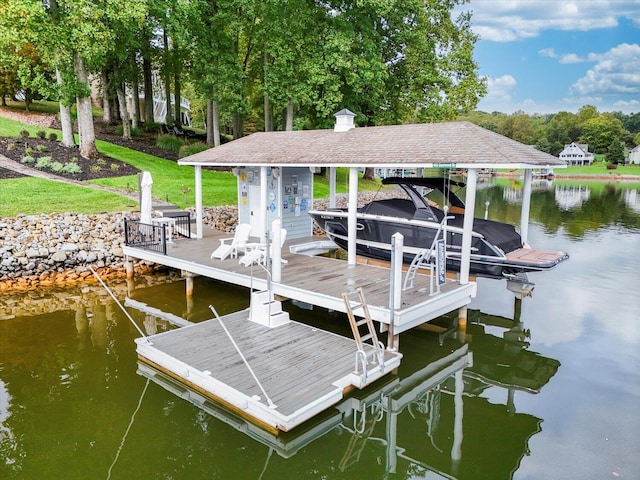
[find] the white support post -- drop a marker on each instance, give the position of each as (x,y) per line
(276,263)
(526,206)
(263,204)
(352,218)
(395,287)
(332,187)
(198,181)
(470,199)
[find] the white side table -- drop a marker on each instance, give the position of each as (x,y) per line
(169,222)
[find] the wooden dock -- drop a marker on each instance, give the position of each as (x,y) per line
(298,371)
(302,370)
(317,280)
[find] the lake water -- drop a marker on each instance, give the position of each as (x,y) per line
(550,390)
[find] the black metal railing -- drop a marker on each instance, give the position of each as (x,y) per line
(182,225)
(145,236)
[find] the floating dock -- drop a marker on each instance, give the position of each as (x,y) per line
(301,370)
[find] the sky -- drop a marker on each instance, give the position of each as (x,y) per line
(547,56)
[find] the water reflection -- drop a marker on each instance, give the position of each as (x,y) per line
(72,404)
(575,206)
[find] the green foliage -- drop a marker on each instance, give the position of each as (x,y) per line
(41,134)
(57,167)
(169,142)
(28,151)
(71,167)
(41,148)
(43,162)
(192,148)
(52,137)
(25,133)
(135,132)
(151,127)
(615,153)
(27,159)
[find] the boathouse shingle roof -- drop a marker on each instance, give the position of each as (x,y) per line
(456,144)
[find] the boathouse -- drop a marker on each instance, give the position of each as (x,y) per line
(274,171)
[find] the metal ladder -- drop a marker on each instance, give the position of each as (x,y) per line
(370,333)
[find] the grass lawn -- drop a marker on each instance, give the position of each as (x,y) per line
(171,183)
(31,196)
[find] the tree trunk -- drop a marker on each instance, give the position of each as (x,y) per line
(369,174)
(267,115)
(289,123)
(148,90)
(177,108)
(85,116)
(215,123)
(106,105)
(237,125)
(168,119)
(66,123)
(268,126)
(124,113)
(135,121)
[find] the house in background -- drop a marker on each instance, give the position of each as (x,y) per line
(634,156)
(576,154)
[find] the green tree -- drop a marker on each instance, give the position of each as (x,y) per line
(615,152)
(600,132)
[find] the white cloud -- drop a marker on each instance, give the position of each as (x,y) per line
(510,20)
(571,58)
(548,52)
(616,72)
(500,88)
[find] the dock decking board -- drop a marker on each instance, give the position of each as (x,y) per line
(296,363)
(303,369)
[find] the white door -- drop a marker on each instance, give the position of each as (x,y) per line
(255,219)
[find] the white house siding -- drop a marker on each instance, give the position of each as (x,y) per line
(576,154)
(289,196)
(634,155)
(297,187)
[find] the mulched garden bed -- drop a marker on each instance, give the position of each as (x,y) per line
(103,167)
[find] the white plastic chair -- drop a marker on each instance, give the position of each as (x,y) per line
(229,246)
(257,253)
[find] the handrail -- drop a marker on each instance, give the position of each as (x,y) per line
(428,254)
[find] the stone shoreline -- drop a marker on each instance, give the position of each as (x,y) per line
(55,250)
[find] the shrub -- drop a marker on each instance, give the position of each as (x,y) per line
(29,151)
(151,127)
(169,142)
(24,133)
(101,161)
(41,134)
(41,148)
(192,148)
(114,167)
(11,146)
(72,168)
(43,162)
(612,166)
(96,168)
(27,159)
(74,159)
(57,167)
(135,132)
(52,137)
